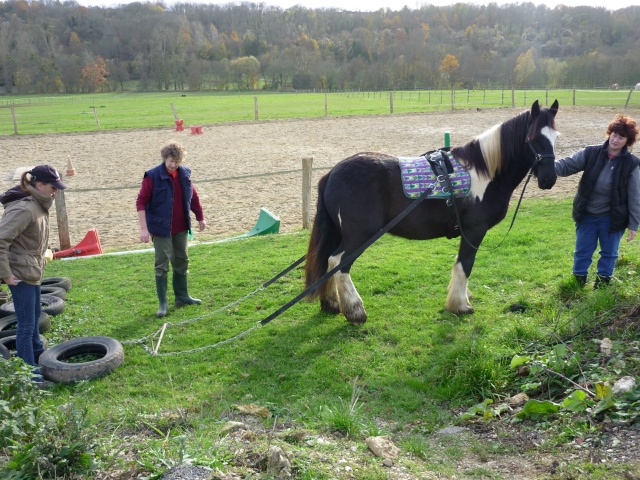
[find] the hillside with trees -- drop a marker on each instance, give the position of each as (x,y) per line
(62,47)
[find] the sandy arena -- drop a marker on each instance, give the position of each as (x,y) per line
(110,165)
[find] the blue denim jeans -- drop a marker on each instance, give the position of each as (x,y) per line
(589,232)
(26,300)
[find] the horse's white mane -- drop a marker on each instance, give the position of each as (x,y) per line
(491,150)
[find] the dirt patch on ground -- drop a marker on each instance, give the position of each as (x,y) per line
(495,449)
(235,165)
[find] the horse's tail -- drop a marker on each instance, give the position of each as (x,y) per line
(325,238)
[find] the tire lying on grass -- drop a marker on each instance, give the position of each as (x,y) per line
(50,304)
(10,342)
(61,282)
(55,291)
(5,354)
(9,324)
(64,363)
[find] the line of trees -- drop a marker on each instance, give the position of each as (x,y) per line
(49,46)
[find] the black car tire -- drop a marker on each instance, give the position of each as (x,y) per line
(62,282)
(56,291)
(5,354)
(9,324)
(50,304)
(10,342)
(54,367)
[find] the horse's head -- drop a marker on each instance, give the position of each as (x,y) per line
(541,139)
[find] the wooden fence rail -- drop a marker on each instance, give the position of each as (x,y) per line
(307,186)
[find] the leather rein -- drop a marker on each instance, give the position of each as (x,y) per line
(437,162)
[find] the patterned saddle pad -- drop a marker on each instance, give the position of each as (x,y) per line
(418,176)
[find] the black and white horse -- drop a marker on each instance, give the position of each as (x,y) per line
(364,192)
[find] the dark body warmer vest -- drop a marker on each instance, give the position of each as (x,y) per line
(159,210)
(596,158)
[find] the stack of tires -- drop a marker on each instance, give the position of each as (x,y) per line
(54,293)
(71,361)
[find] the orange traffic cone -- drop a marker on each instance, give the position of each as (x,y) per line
(90,245)
(70,170)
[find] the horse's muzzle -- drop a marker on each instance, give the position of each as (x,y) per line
(546,182)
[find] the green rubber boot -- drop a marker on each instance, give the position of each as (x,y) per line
(182,292)
(161,289)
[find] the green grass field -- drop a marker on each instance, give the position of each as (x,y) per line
(401,374)
(109,111)
(409,371)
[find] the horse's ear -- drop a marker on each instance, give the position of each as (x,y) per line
(554,107)
(535,109)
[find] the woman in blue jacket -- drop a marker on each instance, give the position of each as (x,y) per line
(164,203)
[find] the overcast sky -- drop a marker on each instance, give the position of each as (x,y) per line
(371,5)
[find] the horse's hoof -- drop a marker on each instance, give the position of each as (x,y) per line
(356,317)
(463,311)
(329,307)
(358,322)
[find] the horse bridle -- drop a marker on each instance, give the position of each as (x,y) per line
(451,201)
(537,157)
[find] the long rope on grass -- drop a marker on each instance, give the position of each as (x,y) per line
(150,338)
(154,350)
(199,349)
(345,261)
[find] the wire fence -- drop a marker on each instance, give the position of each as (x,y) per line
(117,111)
(115,195)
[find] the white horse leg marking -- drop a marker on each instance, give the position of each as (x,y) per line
(329,301)
(458,293)
(351,304)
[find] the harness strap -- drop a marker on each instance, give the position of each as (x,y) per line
(442,167)
(457,213)
(350,258)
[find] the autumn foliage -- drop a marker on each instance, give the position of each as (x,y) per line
(94,75)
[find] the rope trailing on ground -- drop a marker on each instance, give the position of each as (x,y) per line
(142,341)
(346,261)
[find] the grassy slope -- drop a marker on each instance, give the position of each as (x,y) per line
(410,357)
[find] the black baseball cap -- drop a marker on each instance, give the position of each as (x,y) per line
(47,174)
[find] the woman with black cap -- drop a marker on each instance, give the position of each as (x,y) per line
(24,239)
